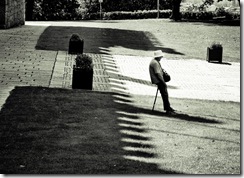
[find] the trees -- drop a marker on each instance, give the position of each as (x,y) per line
(73,9)
(51,10)
(29,9)
(126,5)
(210,2)
(176,10)
(59,10)
(79,9)
(176,7)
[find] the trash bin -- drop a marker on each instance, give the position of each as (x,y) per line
(215,54)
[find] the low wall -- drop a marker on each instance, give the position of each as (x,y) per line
(12,13)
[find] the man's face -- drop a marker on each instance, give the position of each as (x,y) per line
(158,58)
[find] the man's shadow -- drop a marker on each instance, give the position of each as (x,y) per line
(186,117)
(178,114)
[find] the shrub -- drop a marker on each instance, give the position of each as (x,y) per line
(215,45)
(119,15)
(83,61)
(75,37)
(55,9)
(228,14)
(220,11)
(209,15)
(83,9)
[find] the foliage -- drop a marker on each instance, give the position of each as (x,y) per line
(126,5)
(55,9)
(193,15)
(190,15)
(122,9)
(119,15)
(210,2)
(75,37)
(209,15)
(83,61)
(220,11)
(216,45)
(206,3)
(81,9)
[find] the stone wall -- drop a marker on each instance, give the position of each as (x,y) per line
(12,13)
(2,12)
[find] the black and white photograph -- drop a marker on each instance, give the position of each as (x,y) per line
(120,87)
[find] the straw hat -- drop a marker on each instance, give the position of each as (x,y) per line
(158,54)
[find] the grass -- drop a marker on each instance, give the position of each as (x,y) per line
(178,40)
(58,131)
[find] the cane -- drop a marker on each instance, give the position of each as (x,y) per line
(155,99)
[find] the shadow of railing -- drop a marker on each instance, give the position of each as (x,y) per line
(58,131)
(117,79)
(85,132)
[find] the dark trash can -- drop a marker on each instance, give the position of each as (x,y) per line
(82,79)
(215,54)
(83,72)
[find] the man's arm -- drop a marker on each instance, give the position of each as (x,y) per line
(159,73)
(161,79)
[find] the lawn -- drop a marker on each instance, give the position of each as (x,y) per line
(58,131)
(178,40)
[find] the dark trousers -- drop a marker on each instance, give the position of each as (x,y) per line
(164,94)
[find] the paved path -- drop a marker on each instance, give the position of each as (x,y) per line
(22,65)
(193,79)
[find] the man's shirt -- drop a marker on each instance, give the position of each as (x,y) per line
(154,69)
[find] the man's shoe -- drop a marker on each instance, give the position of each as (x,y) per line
(170,109)
(170,112)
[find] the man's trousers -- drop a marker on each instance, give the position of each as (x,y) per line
(164,94)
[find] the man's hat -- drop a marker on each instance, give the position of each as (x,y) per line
(158,54)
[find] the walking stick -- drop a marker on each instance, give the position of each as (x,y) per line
(155,99)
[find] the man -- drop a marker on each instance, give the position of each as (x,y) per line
(156,74)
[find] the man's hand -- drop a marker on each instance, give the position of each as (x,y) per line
(160,77)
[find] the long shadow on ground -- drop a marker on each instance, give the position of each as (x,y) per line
(61,131)
(99,40)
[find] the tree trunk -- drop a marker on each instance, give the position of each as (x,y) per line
(176,10)
(29,9)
